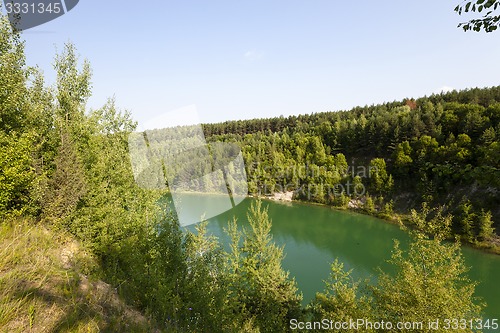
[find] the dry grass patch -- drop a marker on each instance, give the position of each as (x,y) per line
(48,283)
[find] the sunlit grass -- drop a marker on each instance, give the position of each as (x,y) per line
(49,284)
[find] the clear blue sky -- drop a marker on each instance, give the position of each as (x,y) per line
(248,59)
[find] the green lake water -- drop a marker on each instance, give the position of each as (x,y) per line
(313,236)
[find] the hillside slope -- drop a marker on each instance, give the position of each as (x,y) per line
(442,151)
(49,283)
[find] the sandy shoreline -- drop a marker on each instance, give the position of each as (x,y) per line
(282,196)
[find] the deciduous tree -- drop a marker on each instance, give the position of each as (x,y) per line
(490,21)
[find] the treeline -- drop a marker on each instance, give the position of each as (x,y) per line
(69,168)
(443,150)
(480,96)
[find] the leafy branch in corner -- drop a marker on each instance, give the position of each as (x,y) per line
(489,22)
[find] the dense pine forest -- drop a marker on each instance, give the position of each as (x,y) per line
(441,152)
(65,170)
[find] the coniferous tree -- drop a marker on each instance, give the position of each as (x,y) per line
(430,284)
(485,225)
(261,288)
(343,299)
(67,185)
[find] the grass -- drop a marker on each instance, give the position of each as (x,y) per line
(48,283)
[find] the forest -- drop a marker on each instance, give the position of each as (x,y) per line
(441,152)
(63,167)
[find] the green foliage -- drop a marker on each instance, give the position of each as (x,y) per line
(402,158)
(387,210)
(259,285)
(433,222)
(442,148)
(343,299)
(466,221)
(16,173)
(436,149)
(62,164)
(341,201)
(359,188)
(485,225)
(369,205)
(17,137)
(488,22)
(430,284)
(67,184)
(206,281)
(380,180)
(73,85)
(13,78)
